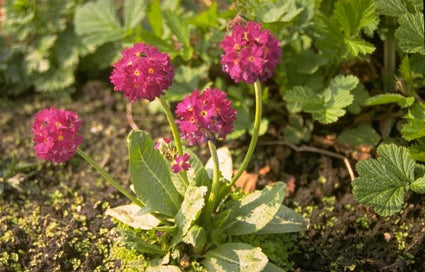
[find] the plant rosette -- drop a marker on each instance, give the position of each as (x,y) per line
(183,213)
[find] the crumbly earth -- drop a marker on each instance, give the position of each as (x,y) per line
(52,217)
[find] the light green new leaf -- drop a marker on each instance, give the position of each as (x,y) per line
(358,46)
(383,181)
(134,12)
(355,15)
(255,211)
(413,129)
(410,34)
(97,22)
(387,98)
(417,151)
(418,185)
(150,175)
(235,257)
(285,220)
(154,14)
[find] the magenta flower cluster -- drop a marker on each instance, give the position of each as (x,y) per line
(142,72)
(206,116)
(55,134)
(250,53)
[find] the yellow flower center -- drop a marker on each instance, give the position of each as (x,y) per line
(136,72)
(151,70)
(60,137)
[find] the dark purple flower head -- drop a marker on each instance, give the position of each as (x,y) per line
(142,72)
(55,134)
(205,116)
(181,163)
(250,53)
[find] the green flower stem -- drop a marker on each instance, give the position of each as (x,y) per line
(215,186)
(176,136)
(257,123)
(110,179)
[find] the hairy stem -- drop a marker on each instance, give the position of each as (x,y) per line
(255,133)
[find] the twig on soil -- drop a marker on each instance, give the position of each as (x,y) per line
(305,148)
(130,116)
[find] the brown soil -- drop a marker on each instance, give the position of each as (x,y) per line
(52,216)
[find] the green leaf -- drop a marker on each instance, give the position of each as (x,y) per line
(255,211)
(178,26)
(410,34)
(132,240)
(299,96)
(278,11)
(97,22)
(417,150)
(360,96)
(235,257)
(418,185)
(383,181)
(333,99)
(193,202)
(207,19)
(358,46)
(134,12)
(355,15)
(55,79)
(363,134)
(285,220)
(381,99)
(150,175)
(392,8)
(154,15)
(196,236)
(134,216)
(298,129)
(163,268)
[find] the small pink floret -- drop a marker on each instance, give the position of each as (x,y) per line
(182,163)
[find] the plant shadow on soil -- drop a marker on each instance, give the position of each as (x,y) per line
(52,216)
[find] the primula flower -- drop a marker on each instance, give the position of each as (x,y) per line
(250,53)
(142,72)
(202,117)
(181,163)
(55,134)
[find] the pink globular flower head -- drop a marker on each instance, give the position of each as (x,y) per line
(55,134)
(142,72)
(205,116)
(250,53)
(181,163)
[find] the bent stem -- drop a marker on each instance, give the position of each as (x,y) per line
(215,186)
(109,178)
(255,133)
(176,135)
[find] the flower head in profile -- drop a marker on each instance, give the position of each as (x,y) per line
(55,134)
(205,116)
(250,53)
(181,163)
(142,72)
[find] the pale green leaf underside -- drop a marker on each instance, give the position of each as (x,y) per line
(191,207)
(150,175)
(255,210)
(285,220)
(134,216)
(383,181)
(235,257)
(391,8)
(381,99)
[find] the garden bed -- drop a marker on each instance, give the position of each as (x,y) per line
(52,217)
